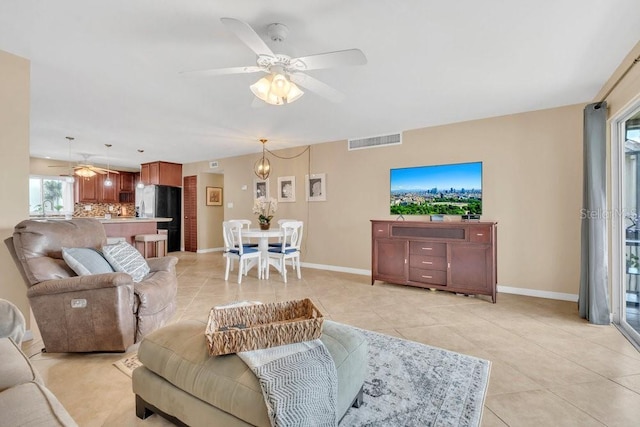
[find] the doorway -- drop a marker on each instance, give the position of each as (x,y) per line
(626,222)
(190,185)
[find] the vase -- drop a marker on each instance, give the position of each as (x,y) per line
(265,225)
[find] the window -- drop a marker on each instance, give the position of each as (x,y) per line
(50,195)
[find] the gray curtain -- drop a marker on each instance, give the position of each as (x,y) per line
(593,301)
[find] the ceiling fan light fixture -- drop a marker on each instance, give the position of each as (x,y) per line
(85,172)
(276,89)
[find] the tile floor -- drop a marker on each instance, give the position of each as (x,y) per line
(549,367)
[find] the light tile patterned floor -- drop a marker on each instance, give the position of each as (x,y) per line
(550,368)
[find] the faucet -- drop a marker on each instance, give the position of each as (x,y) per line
(44,205)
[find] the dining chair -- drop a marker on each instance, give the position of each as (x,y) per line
(280,222)
(234,249)
(289,248)
(247,224)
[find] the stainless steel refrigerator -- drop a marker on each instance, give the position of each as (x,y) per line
(161,201)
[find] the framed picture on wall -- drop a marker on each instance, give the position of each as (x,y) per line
(316,187)
(261,188)
(286,189)
(214,196)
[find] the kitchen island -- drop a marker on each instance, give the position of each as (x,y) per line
(129,227)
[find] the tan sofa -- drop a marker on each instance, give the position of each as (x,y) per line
(24,399)
(101,312)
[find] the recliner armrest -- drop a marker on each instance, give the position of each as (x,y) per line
(166,263)
(79,283)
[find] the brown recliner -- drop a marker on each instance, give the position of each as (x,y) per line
(102,312)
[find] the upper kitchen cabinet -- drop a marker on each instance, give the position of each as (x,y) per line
(161,173)
(86,189)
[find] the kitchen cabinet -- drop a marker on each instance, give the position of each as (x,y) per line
(127,182)
(458,257)
(108,194)
(161,173)
(93,190)
(86,189)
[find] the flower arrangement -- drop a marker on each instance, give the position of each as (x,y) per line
(265,208)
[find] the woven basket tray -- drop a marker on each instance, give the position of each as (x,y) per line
(237,329)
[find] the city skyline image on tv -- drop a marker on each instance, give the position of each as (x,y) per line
(452,189)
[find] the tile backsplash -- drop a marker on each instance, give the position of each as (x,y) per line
(100,209)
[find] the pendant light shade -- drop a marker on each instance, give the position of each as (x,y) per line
(140,184)
(107,181)
(262,167)
(70,177)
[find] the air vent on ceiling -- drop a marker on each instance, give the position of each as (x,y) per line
(213,165)
(375,141)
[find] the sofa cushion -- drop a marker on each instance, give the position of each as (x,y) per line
(31,404)
(16,368)
(125,258)
(179,354)
(86,261)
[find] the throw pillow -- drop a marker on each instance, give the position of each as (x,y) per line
(86,261)
(125,258)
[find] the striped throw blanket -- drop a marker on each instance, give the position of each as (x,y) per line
(299,383)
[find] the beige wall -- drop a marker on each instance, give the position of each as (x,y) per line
(14,168)
(532,185)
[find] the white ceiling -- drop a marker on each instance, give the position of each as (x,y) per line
(109,71)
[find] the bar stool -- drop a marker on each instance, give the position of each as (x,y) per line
(150,238)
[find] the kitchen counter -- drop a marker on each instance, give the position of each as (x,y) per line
(132,219)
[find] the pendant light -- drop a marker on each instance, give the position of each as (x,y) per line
(70,178)
(262,167)
(108,182)
(140,184)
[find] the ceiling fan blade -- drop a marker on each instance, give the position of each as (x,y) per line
(329,60)
(223,71)
(316,86)
(103,170)
(247,35)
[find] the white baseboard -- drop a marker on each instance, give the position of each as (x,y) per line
(205,251)
(337,268)
(539,294)
(504,289)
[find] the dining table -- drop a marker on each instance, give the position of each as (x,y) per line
(263,245)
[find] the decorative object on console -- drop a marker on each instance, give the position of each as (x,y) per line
(316,187)
(262,167)
(286,188)
(265,208)
(214,196)
(454,189)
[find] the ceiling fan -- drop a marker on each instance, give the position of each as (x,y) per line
(86,169)
(284,73)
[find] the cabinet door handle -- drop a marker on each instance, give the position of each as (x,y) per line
(427,262)
(380,231)
(479,234)
(427,249)
(427,277)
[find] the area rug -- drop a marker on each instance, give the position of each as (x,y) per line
(410,384)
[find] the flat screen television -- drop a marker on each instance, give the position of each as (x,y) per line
(454,189)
